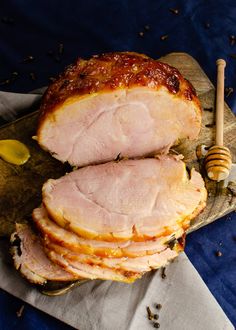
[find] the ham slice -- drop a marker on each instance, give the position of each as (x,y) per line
(30,259)
(50,230)
(132,199)
(117,103)
(92,272)
(138,264)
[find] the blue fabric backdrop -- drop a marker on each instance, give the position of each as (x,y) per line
(201,28)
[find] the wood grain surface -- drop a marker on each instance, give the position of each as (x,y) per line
(20,186)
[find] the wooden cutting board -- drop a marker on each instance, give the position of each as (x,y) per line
(20,186)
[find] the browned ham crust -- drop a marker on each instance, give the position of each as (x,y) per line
(111,71)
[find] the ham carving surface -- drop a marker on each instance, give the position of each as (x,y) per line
(117,103)
(132,199)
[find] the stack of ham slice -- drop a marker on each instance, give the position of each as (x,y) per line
(118,219)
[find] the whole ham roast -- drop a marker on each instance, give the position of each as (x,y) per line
(118,103)
(125,207)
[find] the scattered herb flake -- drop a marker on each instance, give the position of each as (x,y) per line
(15,74)
(141,33)
(164,37)
(155,316)
(218,253)
(118,157)
(174,11)
(147,27)
(28,59)
(228,91)
(5,82)
(163,272)
(20,311)
(232,40)
(32,76)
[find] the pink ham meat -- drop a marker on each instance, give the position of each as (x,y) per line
(138,264)
(50,230)
(91,271)
(118,103)
(30,258)
(132,199)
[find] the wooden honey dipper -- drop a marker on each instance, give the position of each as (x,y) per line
(218,158)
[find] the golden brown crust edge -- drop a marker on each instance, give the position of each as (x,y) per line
(111,71)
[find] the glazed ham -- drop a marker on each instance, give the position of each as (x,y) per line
(123,104)
(30,259)
(113,219)
(131,199)
(62,237)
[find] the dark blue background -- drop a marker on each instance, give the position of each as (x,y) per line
(88,27)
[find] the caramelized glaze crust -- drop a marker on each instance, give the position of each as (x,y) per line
(111,71)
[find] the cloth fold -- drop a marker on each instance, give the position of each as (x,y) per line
(15,105)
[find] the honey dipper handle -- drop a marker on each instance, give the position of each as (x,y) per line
(220,102)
